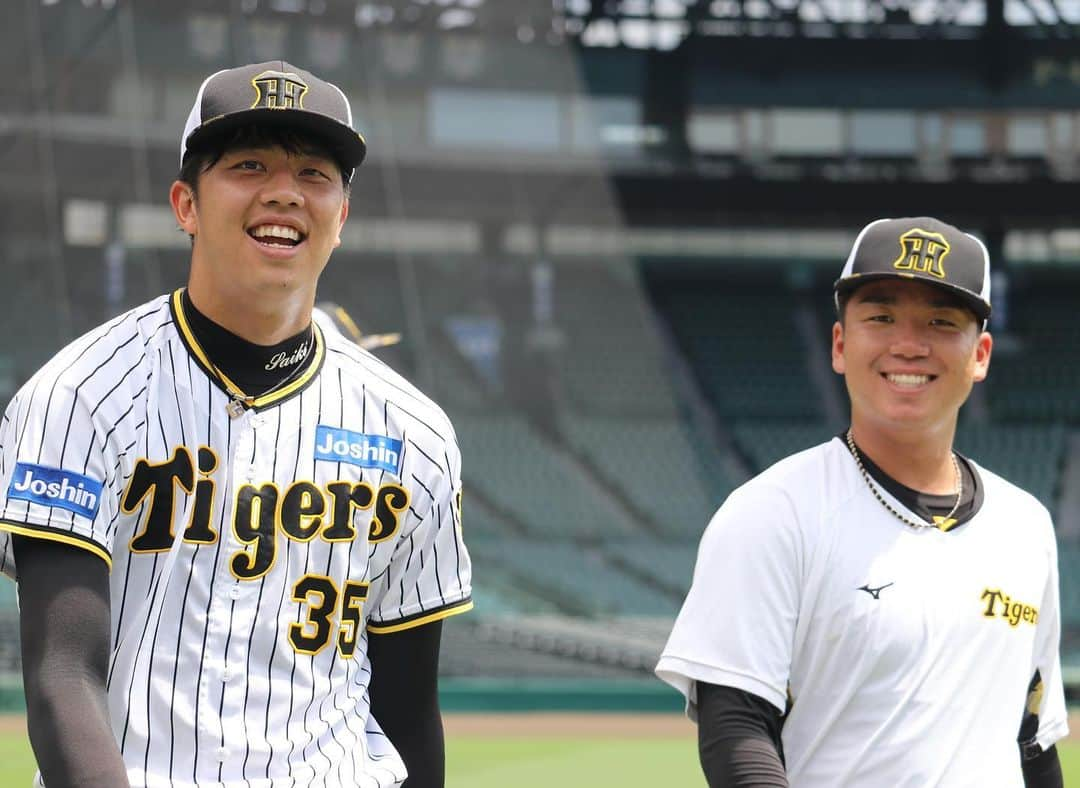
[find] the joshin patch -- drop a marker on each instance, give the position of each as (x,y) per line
(47,486)
(357,448)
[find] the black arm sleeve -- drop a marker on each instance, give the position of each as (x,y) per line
(739,739)
(404,694)
(64,626)
(1044,770)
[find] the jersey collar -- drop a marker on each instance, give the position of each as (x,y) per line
(176,303)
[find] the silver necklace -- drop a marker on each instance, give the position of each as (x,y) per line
(906,520)
(239,401)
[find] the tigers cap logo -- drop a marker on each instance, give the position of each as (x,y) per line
(278,90)
(931,250)
(922,251)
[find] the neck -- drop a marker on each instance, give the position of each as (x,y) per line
(922,462)
(263,319)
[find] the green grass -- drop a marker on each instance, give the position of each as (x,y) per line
(16,762)
(498,762)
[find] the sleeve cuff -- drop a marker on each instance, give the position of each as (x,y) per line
(56,535)
(421,618)
(682,673)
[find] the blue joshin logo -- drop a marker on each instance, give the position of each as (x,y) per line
(56,487)
(356,448)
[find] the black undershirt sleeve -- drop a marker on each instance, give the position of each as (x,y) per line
(739,739)
(404,692)
(64,627)
(1044,770)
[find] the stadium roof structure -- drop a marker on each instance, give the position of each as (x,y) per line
(665,24)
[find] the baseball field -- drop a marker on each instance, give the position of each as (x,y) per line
(536,751)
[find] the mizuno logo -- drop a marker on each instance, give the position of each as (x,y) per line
(874,592)
(47,486)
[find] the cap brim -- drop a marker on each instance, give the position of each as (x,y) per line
(977,305)
(346,143)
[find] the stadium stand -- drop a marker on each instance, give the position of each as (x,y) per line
(524,473)
(743,342)
(613,363)
(670,565)
(9,628)
(1036,374)
(652,463)
(1028,455)
(765,442)
(579,579)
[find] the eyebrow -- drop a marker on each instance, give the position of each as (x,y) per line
(943,302)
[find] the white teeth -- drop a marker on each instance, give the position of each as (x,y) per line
(275,231)
(908,380)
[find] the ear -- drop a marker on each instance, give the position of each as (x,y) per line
(838,348)
(983,347)
(182,199)
(341,222)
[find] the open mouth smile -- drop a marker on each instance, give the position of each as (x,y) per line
(907,380)
(278,235)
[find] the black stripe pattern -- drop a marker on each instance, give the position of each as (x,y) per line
(244,581)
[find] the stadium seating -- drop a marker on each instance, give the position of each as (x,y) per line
(9,627)
(523,473)
(580,579)
(1069,573)
(1035,374)
(654,464)
(612,363)
(670,565)
(1027,455)
(743,343)
(765,442)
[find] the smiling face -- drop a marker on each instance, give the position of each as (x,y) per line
(264,220)
(909,353)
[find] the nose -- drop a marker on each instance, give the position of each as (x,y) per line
(282,188)
(909,341)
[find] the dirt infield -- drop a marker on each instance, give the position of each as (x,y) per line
(12,723)
(619,726)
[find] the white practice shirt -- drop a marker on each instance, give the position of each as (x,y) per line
(908,653)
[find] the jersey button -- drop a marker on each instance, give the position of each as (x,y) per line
(234,592)
(221,754)
(226,675)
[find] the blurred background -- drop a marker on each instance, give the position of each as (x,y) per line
(607,231)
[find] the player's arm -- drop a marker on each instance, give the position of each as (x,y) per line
(64,625)
(739,739)
(404,692)
(1044,770)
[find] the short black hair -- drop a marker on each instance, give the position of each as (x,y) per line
(259,136)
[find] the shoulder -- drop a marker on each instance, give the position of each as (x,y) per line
(796,491)
(1011,502)
(364,372)
(101,358)
(823,475)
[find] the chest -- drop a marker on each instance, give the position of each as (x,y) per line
(895,597)
(279,490)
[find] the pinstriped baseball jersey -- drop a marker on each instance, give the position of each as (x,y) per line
(250,555)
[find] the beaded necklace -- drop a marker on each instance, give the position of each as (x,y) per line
(887,505)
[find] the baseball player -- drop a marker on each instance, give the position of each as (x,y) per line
(879,610)
(235,535)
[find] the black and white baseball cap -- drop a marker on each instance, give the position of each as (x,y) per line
(278,93)
(923,249)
